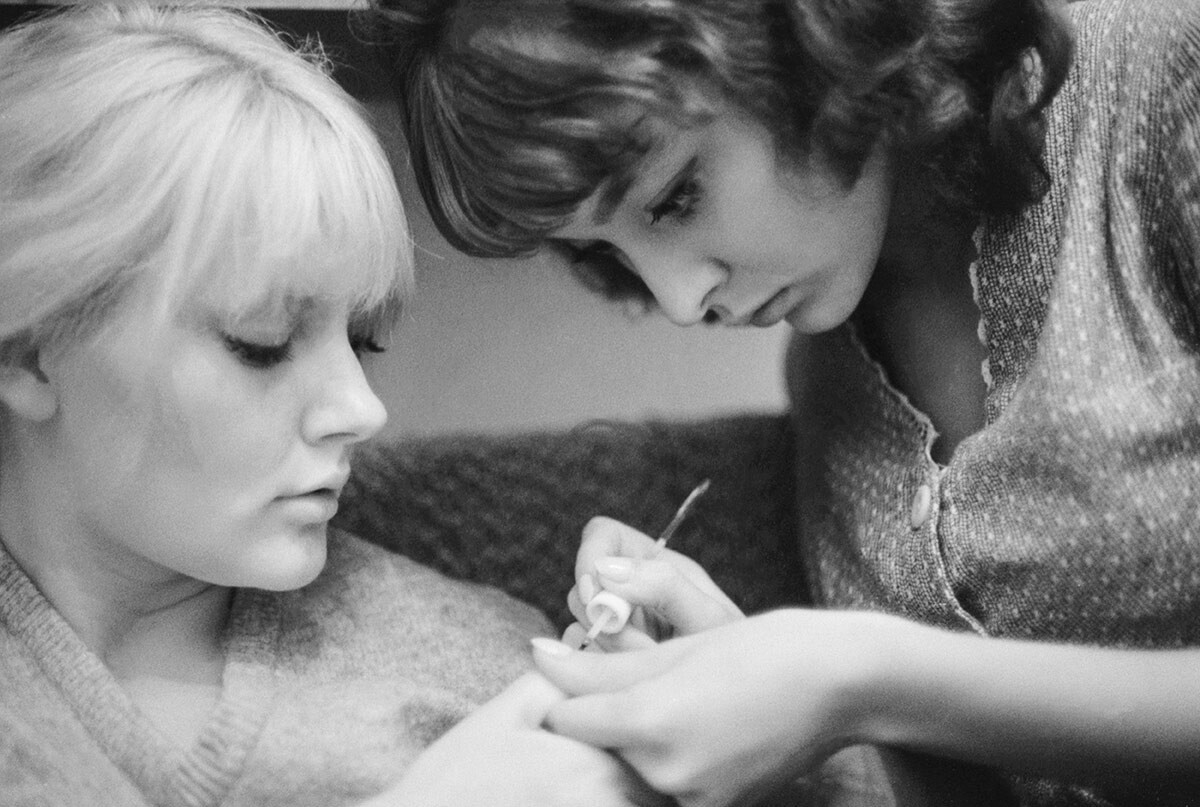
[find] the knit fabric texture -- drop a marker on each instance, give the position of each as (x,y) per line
(328,693)
(509,510)
(1074,515)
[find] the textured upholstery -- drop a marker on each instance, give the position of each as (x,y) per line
(509,510)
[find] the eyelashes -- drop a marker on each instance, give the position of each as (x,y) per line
(589,252)
(365,343)
(680,202)
(679,196)
(264,356)
(258,355)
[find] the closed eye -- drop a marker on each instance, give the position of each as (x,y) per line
(258,355)
(365,343)
(679,198)
(582,253)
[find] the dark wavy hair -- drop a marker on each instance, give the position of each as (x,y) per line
(517,111)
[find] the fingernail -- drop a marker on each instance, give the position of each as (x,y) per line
(587,588)
(550,646)
(618,570)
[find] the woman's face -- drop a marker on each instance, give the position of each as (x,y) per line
(715,222)
(211,446)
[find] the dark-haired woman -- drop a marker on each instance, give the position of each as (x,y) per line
(1007,558)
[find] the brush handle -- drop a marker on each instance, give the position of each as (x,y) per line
(607,612)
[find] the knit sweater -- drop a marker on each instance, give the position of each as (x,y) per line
(328,693)
(1089,463)
(1074,514)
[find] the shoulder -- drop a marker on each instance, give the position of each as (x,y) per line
(1131,17)
(374,612)
(1134,92)
(1146,35)
(369,595)
(46,757)
(399,583)
(1139,64)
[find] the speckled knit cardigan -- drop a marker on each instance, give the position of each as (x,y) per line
(1073,516)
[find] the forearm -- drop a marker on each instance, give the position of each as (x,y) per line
(1062,711)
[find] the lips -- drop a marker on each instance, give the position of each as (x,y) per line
(775,309)
(313,506)
(330,484)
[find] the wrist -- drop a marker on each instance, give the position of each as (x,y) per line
(896,690)
(872,665)
(1039,708)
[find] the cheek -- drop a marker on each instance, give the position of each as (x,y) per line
(865,212)
(106,420)
(222,422)
(772,226)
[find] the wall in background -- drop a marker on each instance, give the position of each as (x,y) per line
(509,345)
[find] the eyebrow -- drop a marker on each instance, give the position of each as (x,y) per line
(616,189)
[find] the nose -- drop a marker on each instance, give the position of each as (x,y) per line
(684,287)
(345,408)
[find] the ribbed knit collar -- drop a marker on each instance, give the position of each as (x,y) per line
(198,776)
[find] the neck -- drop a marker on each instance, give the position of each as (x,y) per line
(928,244)
(138,617)
(919,319)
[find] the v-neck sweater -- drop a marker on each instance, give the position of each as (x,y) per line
(328,692)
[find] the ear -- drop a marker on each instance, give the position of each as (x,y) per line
(26,391)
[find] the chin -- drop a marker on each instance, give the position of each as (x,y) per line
(830,307)
(289,562)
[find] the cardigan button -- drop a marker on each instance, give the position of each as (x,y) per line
(921,504)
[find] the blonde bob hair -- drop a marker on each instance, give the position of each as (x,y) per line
(190,145)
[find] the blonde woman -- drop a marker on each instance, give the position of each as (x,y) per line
(201,244)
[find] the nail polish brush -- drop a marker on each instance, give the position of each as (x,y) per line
(608,612)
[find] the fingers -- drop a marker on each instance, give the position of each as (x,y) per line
(577,673)
(573,635)
(579,596)
(605,537)
(661,586)
(631,638)
(617,558)
(599,684)
(598,720)
(524,702)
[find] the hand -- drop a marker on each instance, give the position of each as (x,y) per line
(500,756)
(673,594)
(722,715)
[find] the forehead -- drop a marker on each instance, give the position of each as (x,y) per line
(291,242)
(293,204)
(279,289)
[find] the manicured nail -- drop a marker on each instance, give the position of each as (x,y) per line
(618,570)
(550,647)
